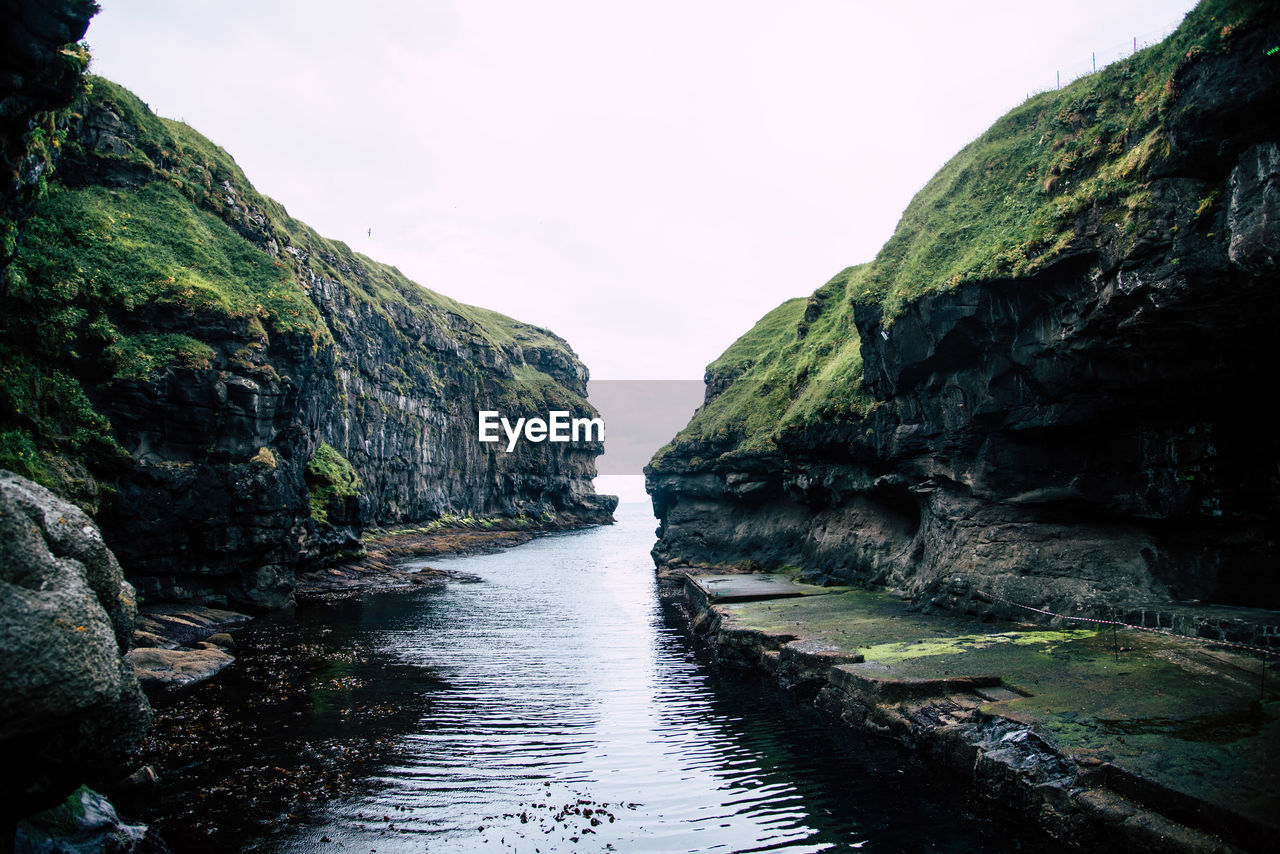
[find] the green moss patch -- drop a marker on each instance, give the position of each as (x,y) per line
(899,652)
(1189,717)
(95,250)
(329,475)
(138,356)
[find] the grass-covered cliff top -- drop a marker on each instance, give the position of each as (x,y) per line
(799,364)
(147,244)
(207,175)
(1006,206)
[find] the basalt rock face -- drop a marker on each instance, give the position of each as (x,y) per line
(206,352)
(1084,434)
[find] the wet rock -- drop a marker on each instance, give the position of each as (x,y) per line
(223,640)
(144,778)
(168,670)
(1254,215)
(71,708)
(188,624)
(186,644)
(143,638)
(85,823)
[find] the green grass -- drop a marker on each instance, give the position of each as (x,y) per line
(171,150)
(1010,202)
(48,426)
(138,356)
(95,249)
(19,453)
(1005,207)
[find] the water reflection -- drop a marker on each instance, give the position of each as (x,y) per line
(570,713)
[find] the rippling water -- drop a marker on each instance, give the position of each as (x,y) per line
(568,711)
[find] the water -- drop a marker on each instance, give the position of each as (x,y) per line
(548,700)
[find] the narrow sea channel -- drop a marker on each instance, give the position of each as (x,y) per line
(558,704)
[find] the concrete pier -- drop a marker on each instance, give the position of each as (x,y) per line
(1129,737)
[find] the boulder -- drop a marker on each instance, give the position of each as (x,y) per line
(71,710)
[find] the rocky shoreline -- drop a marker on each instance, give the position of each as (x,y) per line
(384,549)
(1133,753)
(178,645)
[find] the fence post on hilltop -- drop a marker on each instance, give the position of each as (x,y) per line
(1115,635)
(1095,60)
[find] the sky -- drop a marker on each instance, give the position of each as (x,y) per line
(646,179)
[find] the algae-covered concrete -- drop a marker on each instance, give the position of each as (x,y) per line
(1124,736)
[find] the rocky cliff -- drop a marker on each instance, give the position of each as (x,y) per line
(234,396)
(1049,385)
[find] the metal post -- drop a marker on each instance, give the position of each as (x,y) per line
(1115,635)
(1135,44)
(1095,60)
(1059,73)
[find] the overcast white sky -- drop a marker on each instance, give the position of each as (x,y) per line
(644,178)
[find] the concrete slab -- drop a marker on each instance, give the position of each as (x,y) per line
(1191,724)
(996,694)
(755,587)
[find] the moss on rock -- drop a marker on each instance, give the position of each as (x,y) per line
(329,475)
